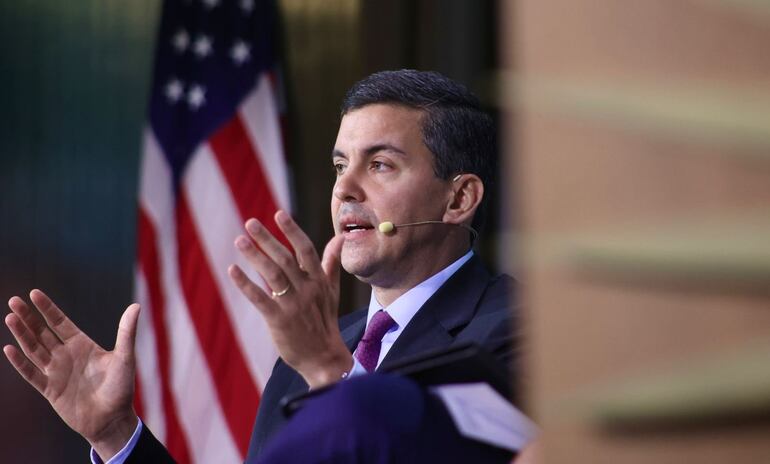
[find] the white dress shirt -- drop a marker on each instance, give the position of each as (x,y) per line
(403,309)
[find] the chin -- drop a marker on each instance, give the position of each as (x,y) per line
(363,267)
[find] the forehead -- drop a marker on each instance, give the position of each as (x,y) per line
(380,123)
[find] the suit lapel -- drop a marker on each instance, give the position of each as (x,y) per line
(353,333)
(451,307)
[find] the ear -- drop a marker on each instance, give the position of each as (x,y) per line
(466,195)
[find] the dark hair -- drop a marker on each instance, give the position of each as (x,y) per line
(455,129)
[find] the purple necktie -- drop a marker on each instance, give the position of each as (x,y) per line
(368,350)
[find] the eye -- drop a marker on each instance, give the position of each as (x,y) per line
(339,168)
(379,166)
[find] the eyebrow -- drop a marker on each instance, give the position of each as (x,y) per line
(372,150)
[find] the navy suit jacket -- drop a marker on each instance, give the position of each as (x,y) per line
(471,306)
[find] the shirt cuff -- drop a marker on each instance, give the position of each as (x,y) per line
(358,369)
(124,453)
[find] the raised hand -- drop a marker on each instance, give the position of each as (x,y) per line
(91,389)
(302,309)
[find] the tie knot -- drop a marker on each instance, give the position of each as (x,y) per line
(381,322)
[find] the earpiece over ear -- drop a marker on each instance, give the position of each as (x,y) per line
(468,190)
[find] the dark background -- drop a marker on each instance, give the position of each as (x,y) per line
(74,78)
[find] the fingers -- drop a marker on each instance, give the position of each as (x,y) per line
(252,291)
(32,319)
(273,275)
(279,257)
(307,257)
(57,321)
(28,342)
(331,259)
(126,338)
(25,368)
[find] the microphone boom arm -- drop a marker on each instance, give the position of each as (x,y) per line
(388,227)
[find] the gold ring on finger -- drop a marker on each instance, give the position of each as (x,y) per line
(282,292)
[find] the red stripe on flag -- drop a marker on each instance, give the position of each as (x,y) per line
(238,395)
(242,169)
(149,261)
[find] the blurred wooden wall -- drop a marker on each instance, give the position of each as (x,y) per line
(639,144)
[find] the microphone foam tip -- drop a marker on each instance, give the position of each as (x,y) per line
(386,227)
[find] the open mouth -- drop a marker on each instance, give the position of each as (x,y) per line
(356,224)
(356,228)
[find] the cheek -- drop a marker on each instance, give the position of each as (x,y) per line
(334,207)
(417,200)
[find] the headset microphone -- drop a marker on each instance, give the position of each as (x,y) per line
(387,227)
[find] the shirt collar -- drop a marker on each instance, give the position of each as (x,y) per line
(406,306)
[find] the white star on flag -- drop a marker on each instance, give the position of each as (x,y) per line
(202,46)
(247,5)
(174,90)
(196,97)
(180,41)
(240,52)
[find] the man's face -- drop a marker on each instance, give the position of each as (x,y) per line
(385,173)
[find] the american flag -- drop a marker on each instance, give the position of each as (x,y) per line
(213,156)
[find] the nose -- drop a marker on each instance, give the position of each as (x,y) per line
(348,187)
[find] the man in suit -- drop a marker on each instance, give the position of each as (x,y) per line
(413,155)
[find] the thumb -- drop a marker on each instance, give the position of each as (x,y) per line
(124,342)
(331,259)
